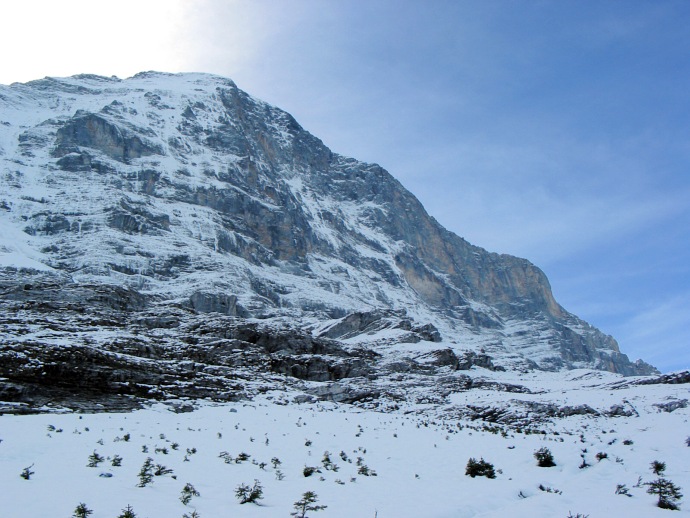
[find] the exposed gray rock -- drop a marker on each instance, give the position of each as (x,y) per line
(670,406)
(95,131)
(215,303)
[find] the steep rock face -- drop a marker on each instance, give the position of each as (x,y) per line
(185,190)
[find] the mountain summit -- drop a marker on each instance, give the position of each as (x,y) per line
(148,208)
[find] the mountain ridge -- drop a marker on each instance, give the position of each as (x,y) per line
(196,197)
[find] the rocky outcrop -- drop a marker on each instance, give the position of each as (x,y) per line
(94,131)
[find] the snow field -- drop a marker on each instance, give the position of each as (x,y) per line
(420,463)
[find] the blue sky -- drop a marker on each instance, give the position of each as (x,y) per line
(552,130)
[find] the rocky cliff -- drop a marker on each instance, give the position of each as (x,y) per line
(132,207)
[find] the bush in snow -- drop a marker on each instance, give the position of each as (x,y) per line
(188,491)
(328,463)
(601,456)
(242,457)
(116,461)
(26,473)
(193,515)
(667,491)
(94,460)
(308,471)
(162,470)
(544,458)
(622,489)
(366,471)
(306,503)
(249,495)
(548,489)
(81,511)
(658,467)
(480,468)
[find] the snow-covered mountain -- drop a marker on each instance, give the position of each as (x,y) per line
(277,312)
(143,219)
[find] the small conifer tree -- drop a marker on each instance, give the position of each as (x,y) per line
(480,468)
(544,458)
(669,493)
(95,459)
(146,473)
(26,473)
(81,511)
(249,495)
(161,470)
(306,503)
(128,512)
(188,491)
(658,467)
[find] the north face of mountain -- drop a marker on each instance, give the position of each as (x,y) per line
(144,209)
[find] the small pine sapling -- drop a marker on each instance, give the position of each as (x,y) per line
(193,515)
(249,495)
(81,511)
(188,491)
(480,468)
(308,471)
(584,464)
(622,489)
(544,458)
(95,459)
(161,470)
(548,489)
(128,512)
(667,491)
(306,503)
(366,471)
(658,467)
(116,461)
(146,473)
(242,457)
(601,456)
(26,472)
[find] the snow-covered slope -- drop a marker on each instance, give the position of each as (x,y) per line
(385,465)
(193,193)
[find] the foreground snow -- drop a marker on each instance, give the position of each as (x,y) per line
(419,461)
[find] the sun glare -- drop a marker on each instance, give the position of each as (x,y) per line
(48,38)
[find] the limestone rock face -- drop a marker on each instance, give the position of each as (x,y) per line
(94,131)
(184,193)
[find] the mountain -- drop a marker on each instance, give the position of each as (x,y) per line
(170,235)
